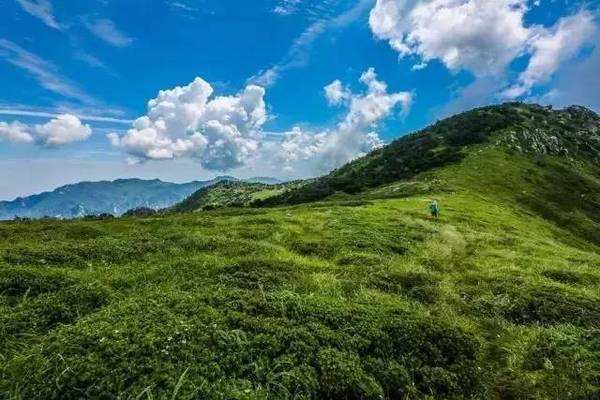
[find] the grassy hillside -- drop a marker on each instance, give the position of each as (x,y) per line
(358,296)
(573,133)
(228,194)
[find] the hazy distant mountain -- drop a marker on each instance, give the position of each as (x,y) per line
(113,197)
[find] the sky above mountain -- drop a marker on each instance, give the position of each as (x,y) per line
(189,89)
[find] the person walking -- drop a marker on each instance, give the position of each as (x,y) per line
(434,209)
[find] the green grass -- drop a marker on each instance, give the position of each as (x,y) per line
(356,297)
(353,297)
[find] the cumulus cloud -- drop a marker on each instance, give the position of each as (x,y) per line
(15,132)
(225,132)
(222,132)
(480,36)
(63,129)
(355,135)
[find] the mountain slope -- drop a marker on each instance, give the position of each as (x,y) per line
(572,133)
(360,295)
(234,193)
(86,198)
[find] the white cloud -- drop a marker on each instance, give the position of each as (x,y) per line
(41,9)
(551,47)
(336,93)
(42,71)
(63,129)
(106,30)
(567,91)
(481,36)
(222,132)
(297,56)
(15,132)
(317,153)
(225,132)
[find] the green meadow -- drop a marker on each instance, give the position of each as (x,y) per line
(355,296)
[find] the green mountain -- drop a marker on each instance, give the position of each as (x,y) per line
(572,134)
(342,287)
(233,193)
(91,198)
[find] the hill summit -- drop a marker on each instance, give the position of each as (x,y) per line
(573,133)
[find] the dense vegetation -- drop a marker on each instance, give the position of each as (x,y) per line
(359,296)
(533,129)
(229,194)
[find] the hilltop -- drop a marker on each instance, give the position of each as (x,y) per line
(233,193)
(572,133)
(340,287)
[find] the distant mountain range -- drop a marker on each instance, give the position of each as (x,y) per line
(110,197)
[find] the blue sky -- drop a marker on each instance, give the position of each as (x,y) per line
(252,78)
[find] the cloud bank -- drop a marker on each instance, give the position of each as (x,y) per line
(226,132)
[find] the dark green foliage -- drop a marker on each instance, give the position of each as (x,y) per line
(314,248)
(140,212)
(229,193)
(419,286)
(47,310)
(570,277)
(19,283)
(568,195)
(79,254)
(562,358)
(521,303)
(548,305)
(253,273)
(342,377)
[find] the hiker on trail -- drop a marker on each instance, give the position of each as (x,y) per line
(434,209)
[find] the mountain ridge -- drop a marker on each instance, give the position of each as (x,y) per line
(529,129)
(102,197)
(572,132)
